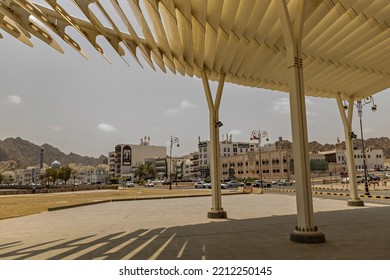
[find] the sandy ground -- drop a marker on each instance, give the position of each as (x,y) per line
(20,205)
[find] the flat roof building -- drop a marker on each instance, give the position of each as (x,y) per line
(127,156)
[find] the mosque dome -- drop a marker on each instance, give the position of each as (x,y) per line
(55,164)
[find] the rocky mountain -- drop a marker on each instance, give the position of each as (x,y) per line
(24,153)
(315,147)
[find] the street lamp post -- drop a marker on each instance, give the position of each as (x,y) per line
(174,140)
(359,105)
(257,135)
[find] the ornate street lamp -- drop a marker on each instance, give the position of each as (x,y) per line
(359,106)
(174,140)
(257,135)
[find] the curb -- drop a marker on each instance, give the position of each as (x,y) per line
(334,194)
(132,199)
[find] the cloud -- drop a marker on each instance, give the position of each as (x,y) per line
(282,105)
(184,105)
(235,132)
(56,128)
(106,127)
(171,111)
(15,99)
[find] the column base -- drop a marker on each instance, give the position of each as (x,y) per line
(355,202)
(217,214)
(309,237)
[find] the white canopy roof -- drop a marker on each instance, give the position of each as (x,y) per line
(346,43)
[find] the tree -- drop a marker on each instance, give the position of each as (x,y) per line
(1,178)
(74,173)
(144,171)
(11,179)
(51,174)
(140,171)
(64,173)
(151,172)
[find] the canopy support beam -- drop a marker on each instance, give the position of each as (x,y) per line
(216,211)
(354,199)
(306,231)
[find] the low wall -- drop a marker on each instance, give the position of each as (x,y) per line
(56,189)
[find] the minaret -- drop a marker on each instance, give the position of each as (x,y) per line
(41,159)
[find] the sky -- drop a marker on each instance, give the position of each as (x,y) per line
(89,106)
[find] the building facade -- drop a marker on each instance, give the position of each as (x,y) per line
(127,156)
(275,164)
(227,148)
(374,159)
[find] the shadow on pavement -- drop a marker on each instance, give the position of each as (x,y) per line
(350,234)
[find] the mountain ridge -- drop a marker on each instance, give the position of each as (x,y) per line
(24,153)
(315,147)
(19,153)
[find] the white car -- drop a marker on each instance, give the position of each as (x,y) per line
(284,182)
(149,184)
(202,185)
(129,184)
(345,180)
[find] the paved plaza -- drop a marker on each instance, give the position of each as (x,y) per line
(258,227)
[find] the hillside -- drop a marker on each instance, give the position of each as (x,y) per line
(314,147)
(24,153)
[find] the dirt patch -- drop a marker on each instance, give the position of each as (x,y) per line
(20,205)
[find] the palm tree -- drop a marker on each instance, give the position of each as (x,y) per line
(144,171)
(140,172)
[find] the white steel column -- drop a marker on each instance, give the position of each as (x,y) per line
(354,199)
(306,231)
(215,166)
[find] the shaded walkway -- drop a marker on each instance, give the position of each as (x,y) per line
(258,228)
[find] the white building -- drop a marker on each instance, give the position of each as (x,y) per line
(227,148)
(128,156)
(374,158)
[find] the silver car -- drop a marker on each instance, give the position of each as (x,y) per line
(234,184)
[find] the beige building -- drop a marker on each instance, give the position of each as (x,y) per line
(127,156)
(227,148)
(374,159)
(274,165)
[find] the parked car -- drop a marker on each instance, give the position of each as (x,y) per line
(345,180)
(129,184)
(284,182)
(260,184)
(387,175)
(149,184)
(360,179)
(202,185)
(166,182)
(373,177)
(233,184)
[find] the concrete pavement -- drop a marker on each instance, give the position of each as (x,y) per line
(258,227)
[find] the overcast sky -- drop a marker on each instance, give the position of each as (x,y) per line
(89,106)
